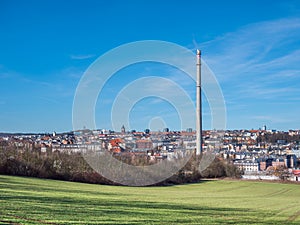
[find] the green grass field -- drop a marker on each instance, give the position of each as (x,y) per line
(38,201)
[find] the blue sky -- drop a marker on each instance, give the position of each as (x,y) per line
(253,48)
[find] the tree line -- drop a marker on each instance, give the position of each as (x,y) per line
(273,138)
(73,167)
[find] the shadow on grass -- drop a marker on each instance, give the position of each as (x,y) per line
(134,210)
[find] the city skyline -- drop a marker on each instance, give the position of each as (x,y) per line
(251,47)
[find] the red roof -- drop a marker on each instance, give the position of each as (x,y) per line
(296,172)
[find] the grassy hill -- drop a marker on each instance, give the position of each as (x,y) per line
(38,201)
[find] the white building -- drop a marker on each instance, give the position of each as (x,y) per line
(248,166)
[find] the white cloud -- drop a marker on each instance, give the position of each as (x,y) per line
(271,119)
(256,47)
(261,59)
(80,57)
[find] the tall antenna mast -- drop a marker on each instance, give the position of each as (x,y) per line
(198,106)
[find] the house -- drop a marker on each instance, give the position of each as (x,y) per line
(144,144)
(278,163)
(248,166)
